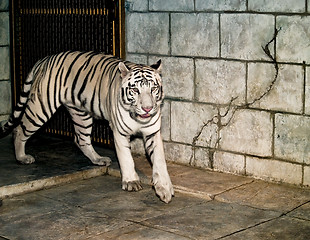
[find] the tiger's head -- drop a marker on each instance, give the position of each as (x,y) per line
(141,91)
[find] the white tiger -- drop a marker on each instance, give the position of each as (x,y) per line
(91,85)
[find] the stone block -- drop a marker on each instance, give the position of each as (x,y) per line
(165,121)
(137,58)
(272,170)
(195,34)
(243,35)
(137,5)
(178,153)
(4,5)
(4,28)
(285,6)
(5,97)
(223,5)
(248,132)
(164,5)
(285,95)
(307,93)
(4,63)
(306,176)
(219,81)
(147,33)
(187,120)
(292,140)
(178,76)
(202,158)
(229,162)
(293,39)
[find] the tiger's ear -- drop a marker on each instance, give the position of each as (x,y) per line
(123,69)
(157,66)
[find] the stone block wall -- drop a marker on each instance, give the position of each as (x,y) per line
(5,84)
(229,107)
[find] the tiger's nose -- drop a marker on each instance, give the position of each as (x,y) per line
(147,109)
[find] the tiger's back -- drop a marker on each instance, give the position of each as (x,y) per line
(81,79)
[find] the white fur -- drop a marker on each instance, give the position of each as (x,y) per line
(100,97)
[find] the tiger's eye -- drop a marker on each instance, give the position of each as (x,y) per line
(153,89)
(135,90)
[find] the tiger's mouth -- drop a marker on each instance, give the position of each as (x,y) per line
(141,117)
(146,115)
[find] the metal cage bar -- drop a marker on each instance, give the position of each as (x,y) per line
(43,27)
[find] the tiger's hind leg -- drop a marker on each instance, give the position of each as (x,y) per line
(20,139)
(83,122)
(34,117)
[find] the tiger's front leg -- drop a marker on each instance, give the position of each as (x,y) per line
(161,179)
(130,178)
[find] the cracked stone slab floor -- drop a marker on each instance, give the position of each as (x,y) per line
(97,208)
(81,201)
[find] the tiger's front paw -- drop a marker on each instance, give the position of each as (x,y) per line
(26,159)
(132,186)
(102,161)
(163,188)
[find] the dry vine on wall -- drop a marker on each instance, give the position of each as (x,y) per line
(226,112)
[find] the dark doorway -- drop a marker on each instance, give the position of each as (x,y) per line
(44,27)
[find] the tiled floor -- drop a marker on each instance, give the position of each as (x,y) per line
(87,201)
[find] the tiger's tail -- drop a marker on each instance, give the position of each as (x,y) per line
(7,126)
